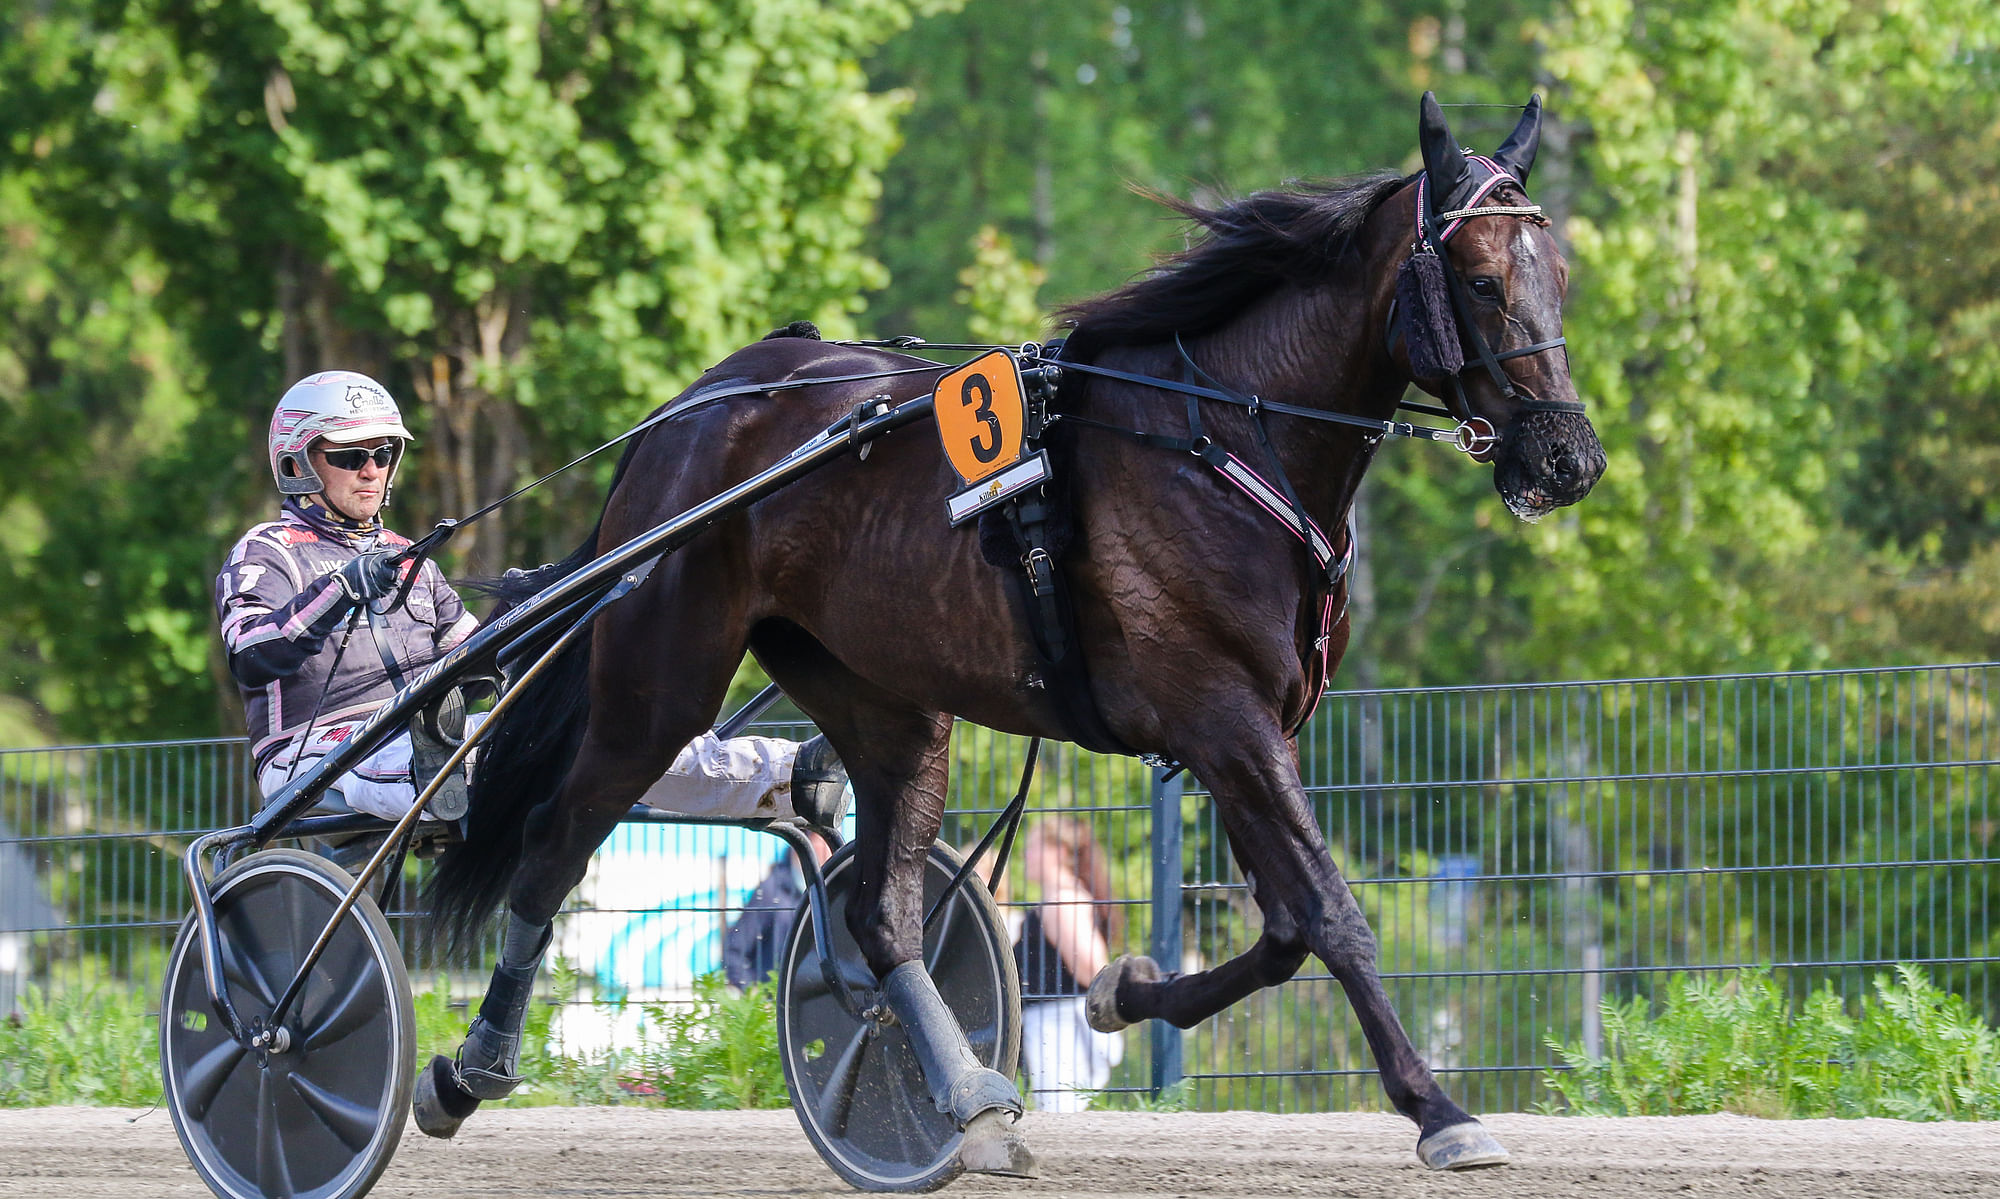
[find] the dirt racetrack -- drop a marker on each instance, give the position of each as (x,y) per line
(96,1153)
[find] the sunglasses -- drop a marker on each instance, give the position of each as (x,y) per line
(355,459)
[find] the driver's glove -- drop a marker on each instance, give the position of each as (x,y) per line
(368,577)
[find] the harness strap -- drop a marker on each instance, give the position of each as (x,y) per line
(1332,569)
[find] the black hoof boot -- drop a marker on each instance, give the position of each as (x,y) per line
(439,1103)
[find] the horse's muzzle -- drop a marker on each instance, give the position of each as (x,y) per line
(1549,460)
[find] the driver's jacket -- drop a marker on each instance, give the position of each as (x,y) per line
(283,615)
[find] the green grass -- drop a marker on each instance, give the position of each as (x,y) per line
(1176,1098)
(1908,1051)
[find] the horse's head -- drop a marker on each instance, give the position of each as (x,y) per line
(1478,318)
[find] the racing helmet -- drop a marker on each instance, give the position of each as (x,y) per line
(341,405)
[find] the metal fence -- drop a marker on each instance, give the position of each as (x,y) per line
(1524,853)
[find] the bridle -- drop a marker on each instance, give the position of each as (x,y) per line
(1432,230)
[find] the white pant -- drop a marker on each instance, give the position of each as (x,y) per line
(1064,1055)
(742,777)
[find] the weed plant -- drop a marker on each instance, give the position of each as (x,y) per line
(1739,1044)
(98,1045)
(95,1045)
(719,1053)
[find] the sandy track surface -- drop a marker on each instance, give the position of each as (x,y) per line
(96,1153)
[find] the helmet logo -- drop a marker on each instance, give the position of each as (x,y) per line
(365,399)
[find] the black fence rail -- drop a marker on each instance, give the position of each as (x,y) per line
(1524,853)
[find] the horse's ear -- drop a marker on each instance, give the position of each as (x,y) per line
(1444,162)
(1516,155)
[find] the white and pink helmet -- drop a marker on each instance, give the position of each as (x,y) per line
(338,405)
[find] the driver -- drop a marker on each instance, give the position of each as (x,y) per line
(308,663)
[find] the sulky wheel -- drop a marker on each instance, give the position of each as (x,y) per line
(855,1083)
(320,1119)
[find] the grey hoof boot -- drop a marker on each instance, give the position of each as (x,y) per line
(819,786)
(1466,1146)
(439,1103)
(993,1145)
(1100,1006)
(488,1062)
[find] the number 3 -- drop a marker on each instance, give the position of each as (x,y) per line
(987,449)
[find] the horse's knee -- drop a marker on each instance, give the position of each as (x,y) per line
(1348,947)
(1279,961)
(874,933)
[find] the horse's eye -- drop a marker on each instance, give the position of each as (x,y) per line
(1486,288)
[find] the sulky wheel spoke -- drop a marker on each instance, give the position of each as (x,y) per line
(274,1177)
(203,1081)
(352,1122)
(239,967)
(836,1099)
(348,1011)
(941,936)
(983,1040)
(303,926)
(810,982)
(903,1121)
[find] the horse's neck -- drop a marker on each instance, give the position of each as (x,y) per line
(1315,349)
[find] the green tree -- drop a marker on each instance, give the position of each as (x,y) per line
(1035,116)
(534,221)
(1732,318)
(998,291)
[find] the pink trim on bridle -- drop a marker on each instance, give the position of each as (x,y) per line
(1498,176)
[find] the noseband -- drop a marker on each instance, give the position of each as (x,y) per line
(1433,228)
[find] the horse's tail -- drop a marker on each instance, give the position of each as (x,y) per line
(522,763)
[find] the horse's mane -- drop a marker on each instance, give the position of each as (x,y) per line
(1296,234)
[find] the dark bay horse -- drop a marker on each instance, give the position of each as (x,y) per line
(1195,610)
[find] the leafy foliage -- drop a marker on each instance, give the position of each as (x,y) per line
(998,291)
(94,1045)
(1740,1044)
(718,1053)
(533,221)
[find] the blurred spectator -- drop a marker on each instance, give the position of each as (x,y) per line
(1065,940)
(755,942)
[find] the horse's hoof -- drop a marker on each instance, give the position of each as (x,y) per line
(994,1145)
(1101,1004)
(1466,1146)
(439,1103)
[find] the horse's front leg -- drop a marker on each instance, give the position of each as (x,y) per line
(1307,906)
(898,761)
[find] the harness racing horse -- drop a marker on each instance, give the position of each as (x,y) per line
(1200,617)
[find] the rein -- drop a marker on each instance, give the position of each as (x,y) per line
(435,540)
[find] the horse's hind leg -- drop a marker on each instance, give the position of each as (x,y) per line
(897,758)
(1307,907)
(635,728)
